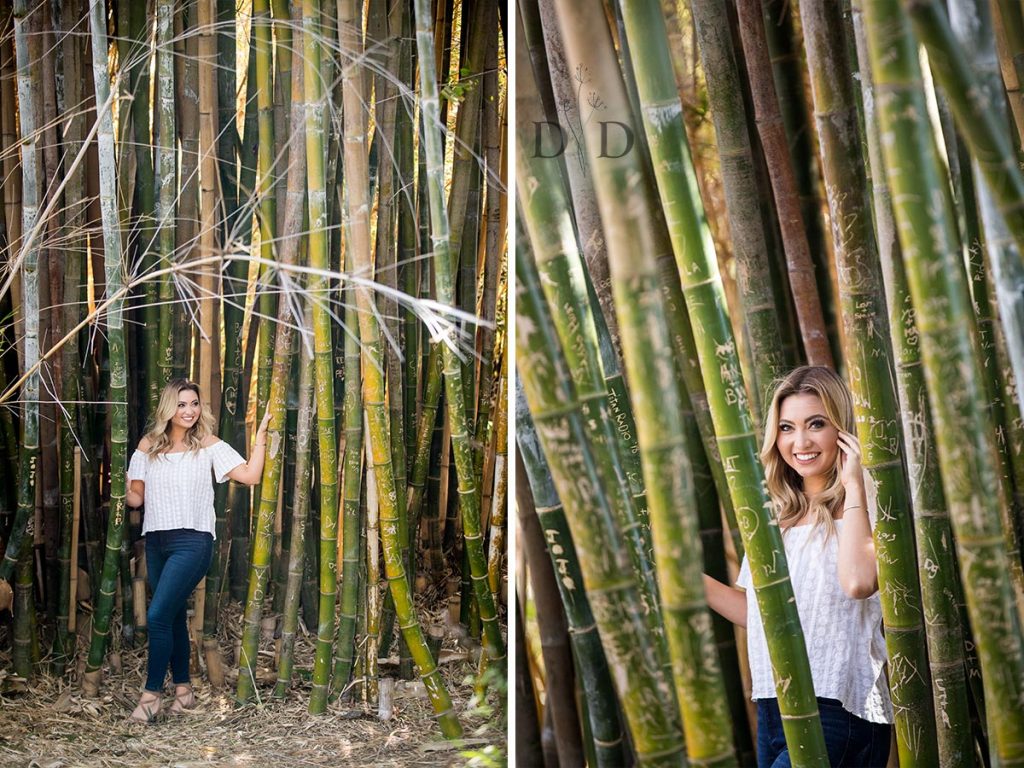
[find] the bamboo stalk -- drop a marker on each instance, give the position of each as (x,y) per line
(443,277)
(499,498)
(75,525)
(30,296)
(936,561)
(373,597)
(115,338)
(296,552)
(715,345)
(556,641)
(323,349)
(869,356)
(784,185)
(966,440)
(379,447)
(746,212)
(270,487)
(611,586)
(351,485)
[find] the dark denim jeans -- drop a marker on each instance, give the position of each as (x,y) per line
(176,561)
(851,742)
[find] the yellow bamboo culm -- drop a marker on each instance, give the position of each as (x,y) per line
(75,521)
(139,587)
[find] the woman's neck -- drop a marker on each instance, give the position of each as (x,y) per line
(177,435)
(814,485)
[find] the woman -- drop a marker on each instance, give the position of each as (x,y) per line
(171,473)
(816,483)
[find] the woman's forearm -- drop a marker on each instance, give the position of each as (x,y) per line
(857,567)
(257,458)
(728,602)
(134,496)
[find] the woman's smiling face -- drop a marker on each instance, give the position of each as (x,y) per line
(187,412)
(807,440)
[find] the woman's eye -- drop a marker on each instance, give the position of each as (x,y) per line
(817,424)
(784,428)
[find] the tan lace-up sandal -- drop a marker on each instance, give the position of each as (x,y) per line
(184,698)
(148,709)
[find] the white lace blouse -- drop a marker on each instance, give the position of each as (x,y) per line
(844,636)
(179,491)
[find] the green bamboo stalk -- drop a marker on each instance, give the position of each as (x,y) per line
(561,680)
(277,404)
(227,131)
(115,340)
(496,553)
(24,613)
(140,56)
(937,565)
(972,24)
(432,384)
(714,343)
(240,495)
(602,555)
(259,568)
(966,439)
(296,550)
(875,404)
(282,73)
(495,224)
(323,351)
(466,128)
(374,405)
(984,129)
(29,452)
(386,258)
(166,181)
(746,212)
(444,285)
(549,64)
(266,190)
(973,28)
(70,363)
(351,485)
(547,218)
(371,639)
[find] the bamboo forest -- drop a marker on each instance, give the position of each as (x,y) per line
(710,193)
(300,207)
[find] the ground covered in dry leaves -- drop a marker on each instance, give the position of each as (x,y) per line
(48,723)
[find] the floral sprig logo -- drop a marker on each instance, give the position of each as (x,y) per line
(566,137)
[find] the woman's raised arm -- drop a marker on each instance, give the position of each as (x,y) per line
(728,602)
(251,472)
(857,568)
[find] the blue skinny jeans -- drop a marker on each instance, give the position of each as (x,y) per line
(851,741)
(176,561)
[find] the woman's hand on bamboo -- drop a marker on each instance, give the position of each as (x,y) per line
(261,431)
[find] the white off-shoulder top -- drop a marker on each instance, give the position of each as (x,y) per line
(179,491)
(844,639)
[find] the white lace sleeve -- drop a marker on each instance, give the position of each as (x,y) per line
(137,466)
(225,459)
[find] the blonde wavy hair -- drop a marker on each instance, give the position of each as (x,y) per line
(785,486)
(159,432)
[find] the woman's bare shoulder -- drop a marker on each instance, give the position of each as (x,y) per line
(145,444)
(210,440)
